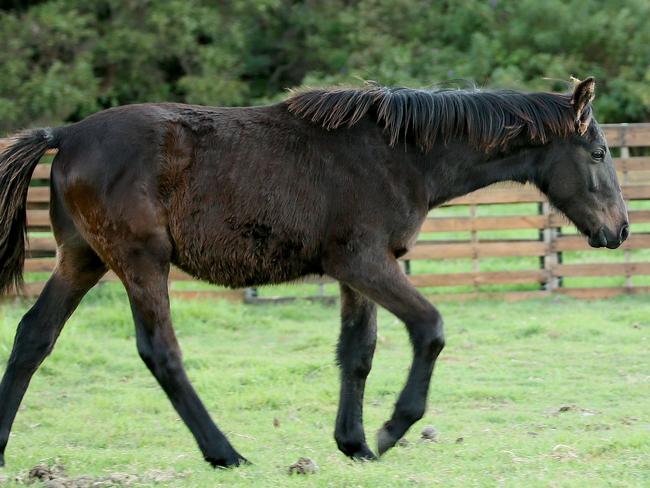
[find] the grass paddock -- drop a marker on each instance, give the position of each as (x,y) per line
(554,392)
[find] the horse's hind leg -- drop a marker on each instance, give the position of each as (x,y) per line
(144,272)
(354,353)
(77,271)
(379,278)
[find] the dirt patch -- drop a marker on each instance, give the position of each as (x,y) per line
(571,408)
(55,477)
(429,433)
(564,453)
(303,466)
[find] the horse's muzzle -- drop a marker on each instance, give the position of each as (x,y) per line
(606,238)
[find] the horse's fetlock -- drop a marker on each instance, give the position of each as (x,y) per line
(411,413)
(349,442)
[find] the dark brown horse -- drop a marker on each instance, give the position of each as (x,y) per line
(329,181)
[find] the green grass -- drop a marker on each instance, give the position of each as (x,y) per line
(506,371)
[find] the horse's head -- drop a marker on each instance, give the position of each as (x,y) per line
(579,178)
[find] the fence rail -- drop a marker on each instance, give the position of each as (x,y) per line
(535,256)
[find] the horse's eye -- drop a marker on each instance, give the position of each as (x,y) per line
(598,154)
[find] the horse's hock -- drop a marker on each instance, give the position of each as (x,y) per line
(504,241)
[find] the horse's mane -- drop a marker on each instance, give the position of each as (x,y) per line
(488,119)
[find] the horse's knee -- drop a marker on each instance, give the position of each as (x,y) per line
(362,368)
(358,338)
(437,342)
(427,334)
(354,358)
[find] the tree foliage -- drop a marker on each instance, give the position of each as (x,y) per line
(64,59)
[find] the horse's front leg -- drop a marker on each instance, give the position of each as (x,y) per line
(354,354)
(378,277)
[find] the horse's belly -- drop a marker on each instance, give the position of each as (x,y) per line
(247,260)
(238,235)
(244,273)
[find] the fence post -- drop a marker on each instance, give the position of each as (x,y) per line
(551,257)
(625,155)
(474,241)
(250,294)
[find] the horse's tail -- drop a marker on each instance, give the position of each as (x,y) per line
(17,163)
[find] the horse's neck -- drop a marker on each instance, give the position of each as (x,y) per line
(456,173)
(516,166)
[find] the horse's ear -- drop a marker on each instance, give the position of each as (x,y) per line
(583,94)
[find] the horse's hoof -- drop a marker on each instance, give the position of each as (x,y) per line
(385,440)
(2,460)
(230,462)
(364,454)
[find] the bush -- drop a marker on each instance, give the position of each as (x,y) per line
(64,59)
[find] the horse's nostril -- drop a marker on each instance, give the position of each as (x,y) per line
(625,232)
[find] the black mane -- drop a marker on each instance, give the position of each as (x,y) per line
(488,119)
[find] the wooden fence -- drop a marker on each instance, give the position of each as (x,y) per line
(501,241)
